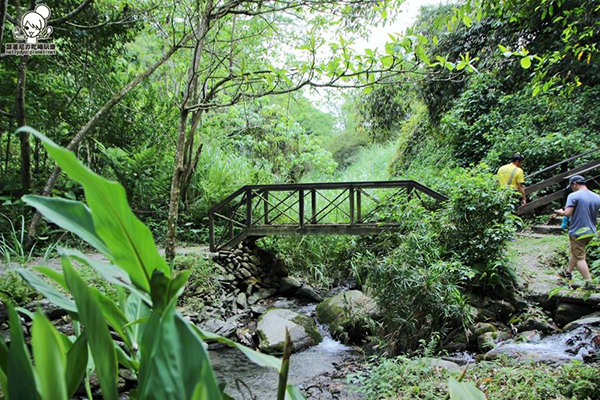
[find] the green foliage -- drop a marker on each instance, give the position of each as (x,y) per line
(13,287)
(417,289)
(477,223)
(384,109)
(200,283)
(219,174)
(167,352)
(488,124)
(322,259)
(467,138)
(12,244)
(416,379)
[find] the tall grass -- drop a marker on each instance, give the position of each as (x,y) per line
(369,164)
(12,245)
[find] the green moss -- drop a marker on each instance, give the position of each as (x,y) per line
(309,325)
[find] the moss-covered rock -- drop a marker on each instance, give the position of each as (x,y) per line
(271,331)
(348,315)
(489,340)
(480,328)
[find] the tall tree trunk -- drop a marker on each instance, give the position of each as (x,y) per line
(22,121)
(190,94)
(3,7)
(31,233)
(175,186)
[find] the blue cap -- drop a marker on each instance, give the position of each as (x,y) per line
(576,179)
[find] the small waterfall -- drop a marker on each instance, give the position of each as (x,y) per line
(580,344)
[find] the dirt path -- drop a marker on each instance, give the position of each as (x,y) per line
(529,256)
(529,253)
(55,262)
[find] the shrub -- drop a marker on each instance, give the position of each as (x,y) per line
(416,288)
(413,379)
(13,287)
(201,282)
(324,259)
(476,224)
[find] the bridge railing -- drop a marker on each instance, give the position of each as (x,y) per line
(307,208)
(549,186)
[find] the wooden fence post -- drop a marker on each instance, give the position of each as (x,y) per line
(248,208)
(351,201)
(301,207)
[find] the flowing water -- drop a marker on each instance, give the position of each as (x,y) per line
(579,344)
(245,379)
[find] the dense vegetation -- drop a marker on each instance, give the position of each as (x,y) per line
(184,103)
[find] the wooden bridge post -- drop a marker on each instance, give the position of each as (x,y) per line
(358,206)
(313,201)
(248,208)
(351,200)
(409,190)
(301,207)
(266,206)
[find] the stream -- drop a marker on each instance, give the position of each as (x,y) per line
(580,344)
(246,380)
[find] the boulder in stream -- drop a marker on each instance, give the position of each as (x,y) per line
(480,328)
(347,315)
(271,330)
(489,340)
(568,312)
(307,292)
(588,320)
(224,328)
(289,285)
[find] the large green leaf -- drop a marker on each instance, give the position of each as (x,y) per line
(77,359)
(264,360)
(73,216)
(110,272)
(20,376)
(3,364)
(96,330)
(129,241)
(53,274)
(175,364)
(136,310)
(50,358)
(164,290)
(113,315)
(293,393)
(464,391)
(53,295)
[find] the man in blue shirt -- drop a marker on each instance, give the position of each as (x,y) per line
(582,206)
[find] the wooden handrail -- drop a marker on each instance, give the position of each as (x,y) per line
(551,167)
(559,178)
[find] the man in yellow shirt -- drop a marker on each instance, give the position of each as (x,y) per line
(511,175)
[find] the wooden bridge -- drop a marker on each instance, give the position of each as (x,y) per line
(345,208)
(553,188)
